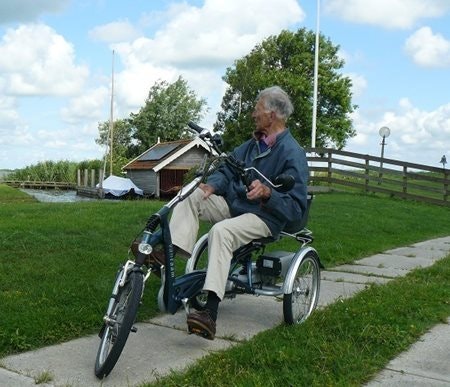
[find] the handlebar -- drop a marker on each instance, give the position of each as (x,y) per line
(196,127)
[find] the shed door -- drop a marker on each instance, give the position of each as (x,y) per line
(171,181)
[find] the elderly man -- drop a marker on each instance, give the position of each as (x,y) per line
(240,215)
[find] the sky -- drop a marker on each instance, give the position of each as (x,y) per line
(56,66)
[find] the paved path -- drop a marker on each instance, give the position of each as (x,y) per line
(163,340)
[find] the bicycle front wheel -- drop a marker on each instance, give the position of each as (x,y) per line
(199,261)
(303,294)
(118,324)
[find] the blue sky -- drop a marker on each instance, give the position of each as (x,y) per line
(55,66)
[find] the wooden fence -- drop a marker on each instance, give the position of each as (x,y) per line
(334,168)
(33,184)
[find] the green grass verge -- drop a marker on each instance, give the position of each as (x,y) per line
(11,195)
(58,260)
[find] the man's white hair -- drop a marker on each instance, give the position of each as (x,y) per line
(276,99)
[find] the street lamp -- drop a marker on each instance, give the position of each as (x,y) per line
(384,133)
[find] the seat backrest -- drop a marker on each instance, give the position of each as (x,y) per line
(298,225)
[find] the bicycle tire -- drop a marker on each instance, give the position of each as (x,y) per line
(302,298)
(115,334)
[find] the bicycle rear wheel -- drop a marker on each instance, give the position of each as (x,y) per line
(118,324)
(303,294)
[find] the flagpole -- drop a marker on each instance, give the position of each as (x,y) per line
(111,119)
(316,76)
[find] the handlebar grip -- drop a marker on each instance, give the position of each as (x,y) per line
(152,223)
(196,127)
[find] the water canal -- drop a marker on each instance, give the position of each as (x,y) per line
(56,196)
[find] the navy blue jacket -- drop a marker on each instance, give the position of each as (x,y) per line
(286,156)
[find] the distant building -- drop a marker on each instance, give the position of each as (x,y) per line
(159,171)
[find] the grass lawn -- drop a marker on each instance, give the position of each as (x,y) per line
(58,261)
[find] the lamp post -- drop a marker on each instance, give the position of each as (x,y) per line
(384,133)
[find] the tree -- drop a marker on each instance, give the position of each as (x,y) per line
(122,141)
(122,145)
(287,60)
(167,110)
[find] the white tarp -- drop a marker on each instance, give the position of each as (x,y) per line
(119,186)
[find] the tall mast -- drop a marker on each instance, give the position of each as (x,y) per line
(111,119)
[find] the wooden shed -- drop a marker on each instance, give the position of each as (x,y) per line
(159,171)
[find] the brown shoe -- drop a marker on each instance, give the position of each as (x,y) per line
(201,323)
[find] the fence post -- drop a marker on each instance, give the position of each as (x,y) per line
(92,177)
(405,179)
(100,178)
(446,176)
(366,184)
(330,164)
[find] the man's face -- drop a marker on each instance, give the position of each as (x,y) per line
(262,117)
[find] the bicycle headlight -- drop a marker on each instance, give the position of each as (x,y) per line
(145,248)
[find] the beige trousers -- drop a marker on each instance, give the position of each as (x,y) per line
(226,235)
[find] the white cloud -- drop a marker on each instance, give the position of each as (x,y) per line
(8,112)
(134,82)
(224,30)
(428,49)
(387,13)
(115,32)
(35,60)
(415,134)
(359,84)
(198,43)
(88,106)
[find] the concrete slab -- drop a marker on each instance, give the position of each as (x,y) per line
(372,271)
(400,379)
(13,379)
(239,319)
(331,291)
(340,276)
(152,351)
(422,252)
(427,362)
(389,261)
(434,244)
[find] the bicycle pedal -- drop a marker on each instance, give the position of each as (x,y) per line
(133,329)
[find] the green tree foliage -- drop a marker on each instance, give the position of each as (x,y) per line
(122,141)
(123,147)
(287,60)
(167,110)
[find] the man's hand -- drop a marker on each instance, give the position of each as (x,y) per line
(258,191)
(207,189)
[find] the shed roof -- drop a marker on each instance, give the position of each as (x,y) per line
(163,153)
